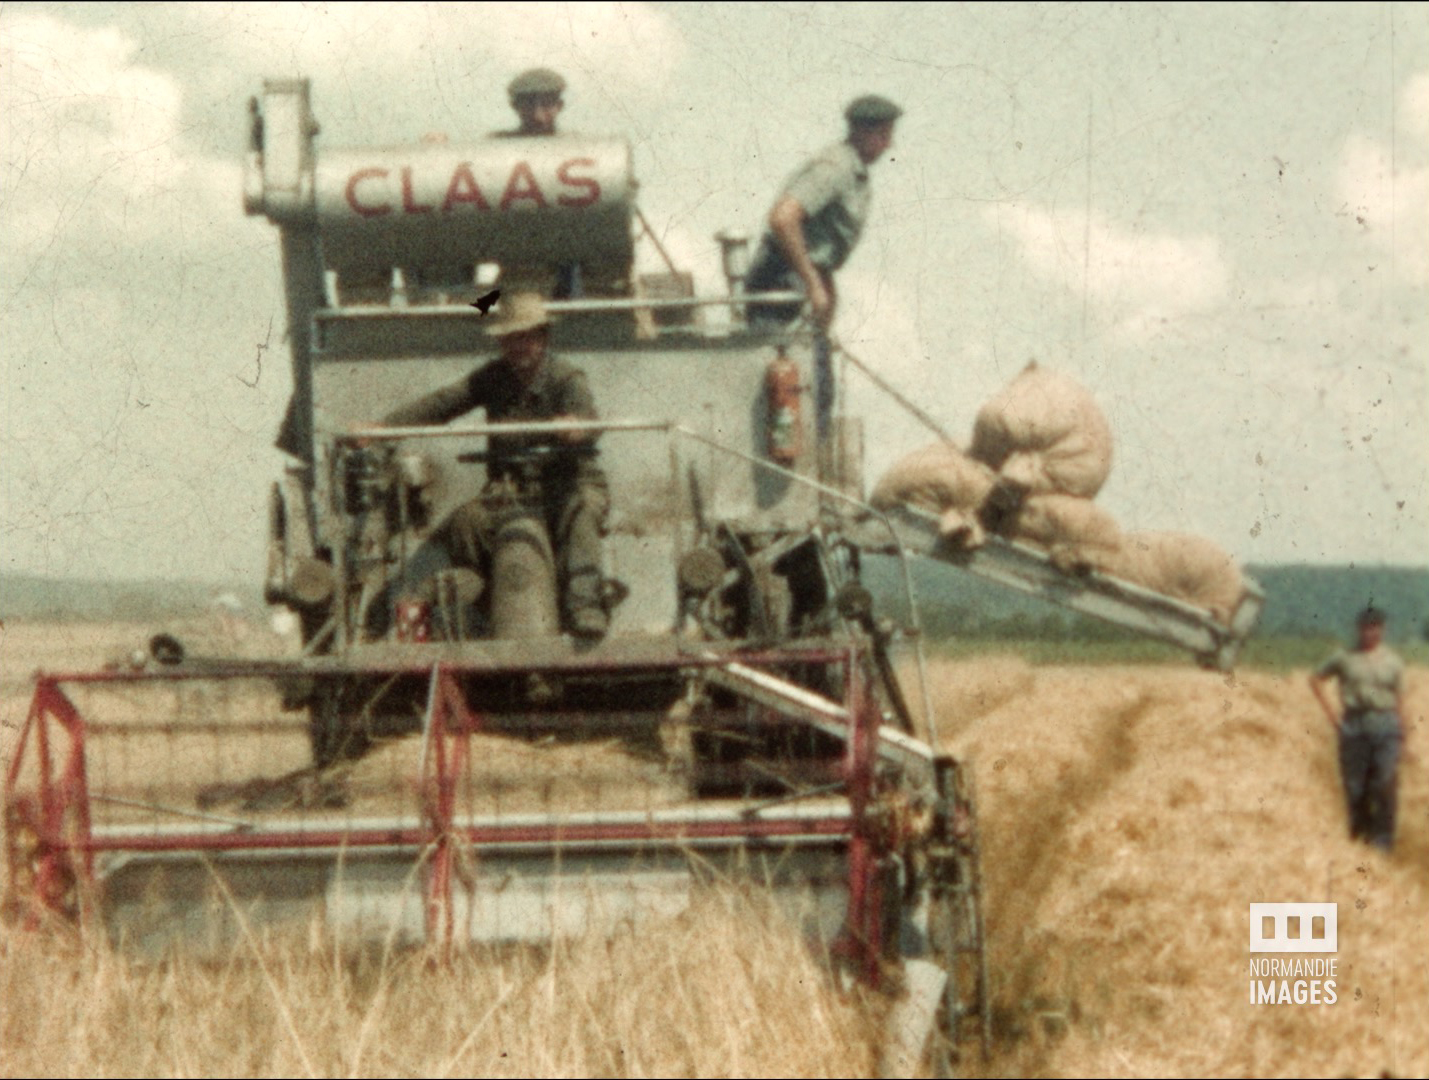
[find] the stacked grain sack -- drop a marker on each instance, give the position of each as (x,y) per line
(1051,446)
(1045,434)
(1040,453)
(1187,567)
(942,478)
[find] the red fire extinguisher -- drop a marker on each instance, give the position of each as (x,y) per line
(784,424)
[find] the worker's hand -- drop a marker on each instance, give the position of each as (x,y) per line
(575,435)
(362,442)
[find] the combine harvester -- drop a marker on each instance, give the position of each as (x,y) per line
(441,763)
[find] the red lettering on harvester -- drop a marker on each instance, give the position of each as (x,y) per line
(522,185)
(409,202)
(589,183)
(366,209)
(463,189)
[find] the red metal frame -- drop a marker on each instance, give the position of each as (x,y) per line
(864,944)
(53,821)
(51,847)
(451,725)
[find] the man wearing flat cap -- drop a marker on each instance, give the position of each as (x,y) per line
(527,384)
(813,228)
(819,215)
(536,97)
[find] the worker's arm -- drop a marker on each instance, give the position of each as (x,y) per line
(1317,687)
(438,407)
(444,405)
(786,223)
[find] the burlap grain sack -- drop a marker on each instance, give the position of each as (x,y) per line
(942,478)
(938,477)
(962,528)
(1076,533)
(1044,432)
(1189,568)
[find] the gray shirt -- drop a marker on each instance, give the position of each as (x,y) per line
(833,189)
(1368,680)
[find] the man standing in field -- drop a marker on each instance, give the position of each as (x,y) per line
(1371,685)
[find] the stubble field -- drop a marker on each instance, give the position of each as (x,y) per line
(1129,815)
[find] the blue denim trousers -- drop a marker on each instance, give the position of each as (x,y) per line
(1369,760)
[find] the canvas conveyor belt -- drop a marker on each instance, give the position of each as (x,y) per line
(1143,611)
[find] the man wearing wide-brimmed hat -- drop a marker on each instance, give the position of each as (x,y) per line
(527,384)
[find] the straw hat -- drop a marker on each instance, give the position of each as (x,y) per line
(517,313)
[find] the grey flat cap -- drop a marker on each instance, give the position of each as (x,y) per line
(537,82)
(872,109)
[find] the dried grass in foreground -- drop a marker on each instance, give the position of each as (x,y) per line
(1129,816)
(728,989)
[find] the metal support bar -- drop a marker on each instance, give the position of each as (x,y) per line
(56,814)
(1099,595)
(476,431)
(815,710)
(587,306)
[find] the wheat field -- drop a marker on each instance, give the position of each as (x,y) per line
(1128,817)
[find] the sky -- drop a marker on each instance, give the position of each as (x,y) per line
(1215,217)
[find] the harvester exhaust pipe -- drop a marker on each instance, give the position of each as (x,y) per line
(734,259)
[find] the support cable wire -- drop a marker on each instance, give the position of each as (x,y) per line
(888,388)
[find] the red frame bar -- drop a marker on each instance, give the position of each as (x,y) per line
(865,892)
(60,863)
(450,726)
(57,815)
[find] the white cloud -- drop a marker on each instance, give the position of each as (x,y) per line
(1137,278)
(95,153)
(886,329)
(131,307)
(1385,186)
(1414,106)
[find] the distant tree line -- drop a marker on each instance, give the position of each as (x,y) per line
(1301,602)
